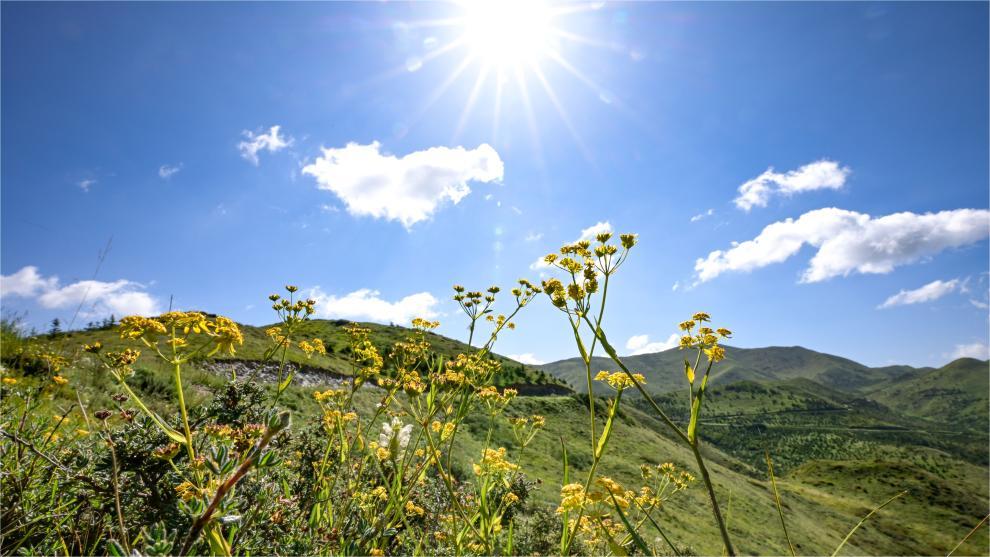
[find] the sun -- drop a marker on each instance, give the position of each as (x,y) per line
(508,33)
(511,50)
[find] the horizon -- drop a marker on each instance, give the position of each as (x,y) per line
(375,154)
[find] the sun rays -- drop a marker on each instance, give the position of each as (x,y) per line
(503,49)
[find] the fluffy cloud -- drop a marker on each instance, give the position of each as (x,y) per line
(848,242)
(640,344)
(367,305)
(121,297)
(927,293)
(407,189)
(166,171)
(977,350)
(587,234)
(84,185)
(528,358)
(254,143)
(823,174)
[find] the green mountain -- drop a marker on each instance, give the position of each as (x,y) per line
(664,370)
(955,393)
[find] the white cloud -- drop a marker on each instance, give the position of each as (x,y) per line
(700,216)
(166,171)
(979,304)
(587,234)
(84,185)
(407,189)
(367,304)
(822,174)
(640,344)
(527,358)
(594,230)
(26,283)
(848,242)
(676,286)
(978,350)
(534,236)
(120,297)
(256,142)
(927,293)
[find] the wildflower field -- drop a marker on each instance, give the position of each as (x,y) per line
(188,433)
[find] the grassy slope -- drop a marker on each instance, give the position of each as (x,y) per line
(332,333)
(822,499)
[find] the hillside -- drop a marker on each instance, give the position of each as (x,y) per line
(337,360)
(664,370)
(955,393)
(837,453)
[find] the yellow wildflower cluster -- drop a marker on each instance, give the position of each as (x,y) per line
(620,380)
(54,362)
(472,369)
(309,347)
(224,333)
(583,264)
(364,351)
(424,325)
(444,429)
(705,339)
(493,462)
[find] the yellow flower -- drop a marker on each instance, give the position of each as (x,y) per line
(9,381)
(572,497)
(715,353)
(413,509)
(494,462)
(60,380)
(620,380)
(701,316)
(375,552)
(82,432)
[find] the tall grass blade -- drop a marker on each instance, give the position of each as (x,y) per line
(864,519)
(776,499)
(971,532)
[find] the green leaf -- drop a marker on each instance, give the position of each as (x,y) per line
(629,528)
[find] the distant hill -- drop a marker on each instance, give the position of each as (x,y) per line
(664,370)
(331,332)
(955,393)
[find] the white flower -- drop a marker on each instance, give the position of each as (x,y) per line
(395,436)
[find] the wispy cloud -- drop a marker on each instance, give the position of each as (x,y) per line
(822,174)
(978,350)
(166,171)
(368,305)
(848,242)
(255,142)
(534,236)
(640,344)
(700,216)
(407,189)
(120,297)
(85,184)
(927,293)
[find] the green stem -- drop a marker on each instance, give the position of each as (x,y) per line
(711,495)
(177,375)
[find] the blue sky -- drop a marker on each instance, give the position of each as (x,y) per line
(701,127)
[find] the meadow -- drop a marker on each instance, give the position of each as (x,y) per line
(188,433)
